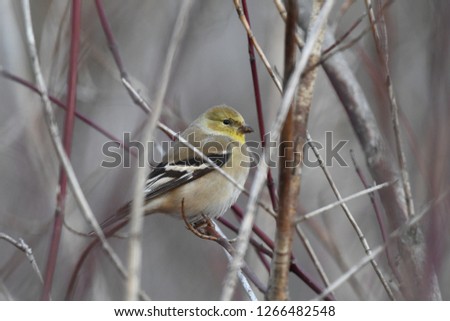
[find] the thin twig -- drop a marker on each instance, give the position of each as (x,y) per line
(351,219)
(323,234)
(60,104)
(214,233)
(242,278)
(137,206)
(115,51)
(379,249)
(381,42)
(75,232)
(245,23)
(383,169)
(377,215)
(312,254)
(257,245)
(259,111)
(83,257)
(418,285)
(225,244)
(344,36)
(67,142)
(371,196)
(342,201)
(22,246)
(331,49)
(294,268)
(56,140)
(258,183)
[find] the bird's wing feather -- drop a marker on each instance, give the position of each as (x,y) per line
(168,176)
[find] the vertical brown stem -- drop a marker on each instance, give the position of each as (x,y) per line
(279,270)
(293,138)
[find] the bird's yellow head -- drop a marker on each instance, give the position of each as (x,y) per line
(225,120)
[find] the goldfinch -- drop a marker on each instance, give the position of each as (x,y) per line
(184,175)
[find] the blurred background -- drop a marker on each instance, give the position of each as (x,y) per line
(211,67)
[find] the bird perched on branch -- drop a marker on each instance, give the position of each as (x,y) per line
(186,177)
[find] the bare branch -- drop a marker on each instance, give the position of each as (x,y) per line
(379,249)
(246,226)
(382,167)
(282,10)
(378,214)
(428,287)
(289,179)
(208,230)
(259,110)
(245,23)
(242,278)
(294,130)
(312,254)
(22,246)
(352,220)
(67,141)
(137,206)
(56,140)
(342,201)
(380,35)
(294,267)
(60,104)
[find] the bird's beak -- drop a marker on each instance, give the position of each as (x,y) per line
(244,129)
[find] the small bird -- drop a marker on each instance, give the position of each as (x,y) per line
(185,177)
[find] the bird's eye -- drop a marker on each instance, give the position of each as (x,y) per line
(226,122)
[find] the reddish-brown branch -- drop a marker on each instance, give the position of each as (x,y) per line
(208,232)
(60,104)
(112,44)
(76,271)
(216,237)
(255,244)
(261,249)
(262,129)
(350,30)
(67,142)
